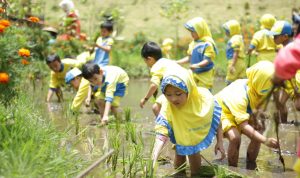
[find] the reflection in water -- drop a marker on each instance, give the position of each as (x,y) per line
(93,141)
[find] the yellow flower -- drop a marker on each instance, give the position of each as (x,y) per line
(34,19)
(24,52)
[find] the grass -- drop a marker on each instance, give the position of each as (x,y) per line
(31,147)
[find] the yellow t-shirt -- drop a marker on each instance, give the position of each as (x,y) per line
(237,44)
(115,82)
(81,94)
(264,44)
(159,69)
(235,104)
(57,79)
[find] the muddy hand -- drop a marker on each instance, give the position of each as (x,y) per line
(220,148)
(272,143)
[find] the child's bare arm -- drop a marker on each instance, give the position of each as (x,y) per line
(107,108)
(251,133)
(184,60)
(150,92)
(88,98)
(219,145)
(234,60)
(160,141)
(203,63)
(49,95)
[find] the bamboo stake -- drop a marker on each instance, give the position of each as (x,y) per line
(94,165)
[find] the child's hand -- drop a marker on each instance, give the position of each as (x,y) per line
(104,120)
(193,66)
(272,143)
(232,69)
(143,102)
(219,147)
(87,102)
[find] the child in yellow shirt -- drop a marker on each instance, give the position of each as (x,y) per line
(238,100)
(81,85)
(201,53)
(190,118)
(262,42)
(235,54)
(152,54)
(112,82)
(59,68)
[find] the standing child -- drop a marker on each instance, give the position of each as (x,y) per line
(238,100)
(191,119)
(152,55)
(112,82)
(262,42)
(81,85)
(283,34)
(59,69)
(104,45)
(236,68)
(201,53)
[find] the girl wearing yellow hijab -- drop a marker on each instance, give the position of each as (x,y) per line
(238,100)
(191,119)
(201,53)
(262,41)
(235,54)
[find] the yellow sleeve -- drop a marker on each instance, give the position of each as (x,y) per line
(255,39)
(110,42)
(111,86)
(159,129)
(210,52)
(99,41)
(156,74)
(190,49)
(235,44)
(53,80)
(238,108)
(80,95)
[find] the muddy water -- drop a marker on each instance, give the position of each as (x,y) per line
(93,140)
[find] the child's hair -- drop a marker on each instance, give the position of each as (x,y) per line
(151,49)
(52,57)
(107,25)
(89,69)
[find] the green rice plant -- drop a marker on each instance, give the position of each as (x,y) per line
(127,112)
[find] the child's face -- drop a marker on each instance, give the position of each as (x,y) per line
(281,39)
(55,66)
(150,61)
(104,32)
(76,82)
(175,96)
(194,35)
(96,79)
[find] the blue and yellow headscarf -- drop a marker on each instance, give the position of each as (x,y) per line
(200,26)
(232,27)
(193,126)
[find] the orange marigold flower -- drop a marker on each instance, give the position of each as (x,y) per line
(4,78)
(24,52)
(2,10)
(5,23)
(25,62)
(2,28)
(34,19)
